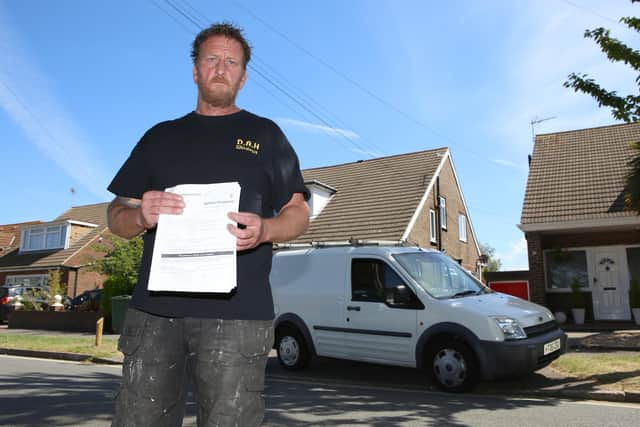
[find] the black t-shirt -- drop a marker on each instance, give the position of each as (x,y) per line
(198,149)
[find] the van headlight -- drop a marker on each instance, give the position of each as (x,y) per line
(510,328)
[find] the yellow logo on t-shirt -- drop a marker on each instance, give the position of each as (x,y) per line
(250,146)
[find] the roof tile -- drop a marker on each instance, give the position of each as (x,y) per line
(579,174)
(94,214)
(375,199)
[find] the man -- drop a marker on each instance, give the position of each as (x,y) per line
(219,341)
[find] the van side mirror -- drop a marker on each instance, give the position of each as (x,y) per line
(402,294)
(399,296)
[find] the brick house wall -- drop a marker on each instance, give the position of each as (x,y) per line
(420,232)
(78,231)
(449,238)
(83,278)
(536,268)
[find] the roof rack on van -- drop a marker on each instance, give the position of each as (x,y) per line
(350,242)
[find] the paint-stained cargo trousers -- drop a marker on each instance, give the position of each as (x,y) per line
(224,359)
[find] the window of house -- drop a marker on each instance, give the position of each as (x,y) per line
(443,213)
(462,227)
(633,261)
(432,226)
(30,280)
(43,238)
(34,239)
(564,266)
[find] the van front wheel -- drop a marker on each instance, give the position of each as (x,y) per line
(292,351)
(452,365)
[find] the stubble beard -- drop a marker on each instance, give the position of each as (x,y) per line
(219,96)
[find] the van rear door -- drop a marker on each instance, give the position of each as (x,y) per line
(380,317)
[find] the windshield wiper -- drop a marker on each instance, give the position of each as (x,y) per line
(464,293)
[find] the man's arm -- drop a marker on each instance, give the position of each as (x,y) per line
(291,221)
(129,217)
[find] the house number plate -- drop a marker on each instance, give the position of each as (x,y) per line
(552,346)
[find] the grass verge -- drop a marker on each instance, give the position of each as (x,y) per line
(614,371)
(60,343)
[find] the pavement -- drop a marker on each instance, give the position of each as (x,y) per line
(547,382)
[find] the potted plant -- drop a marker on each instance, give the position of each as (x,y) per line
(634,299)
(578,304)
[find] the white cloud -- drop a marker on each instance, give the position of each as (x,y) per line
(515,256)
(27,98)
(316,128)
(509,163)
(369,153)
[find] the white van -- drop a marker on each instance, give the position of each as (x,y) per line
(405,306)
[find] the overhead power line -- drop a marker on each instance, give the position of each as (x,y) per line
(186,15)
(307,108)
(591,11)
(307,97)
(354,82)
(173,18)
(275,75)
(181,10)
(195,12)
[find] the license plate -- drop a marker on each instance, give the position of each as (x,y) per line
(552,346)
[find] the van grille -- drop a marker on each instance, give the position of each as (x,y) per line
(541,329)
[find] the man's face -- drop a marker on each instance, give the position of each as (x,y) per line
(219,72)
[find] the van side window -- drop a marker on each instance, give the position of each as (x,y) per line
(373,280)
(367,280)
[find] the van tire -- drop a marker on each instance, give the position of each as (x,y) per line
(292,350)
(452,365)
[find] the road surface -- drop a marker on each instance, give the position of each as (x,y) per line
(37,392)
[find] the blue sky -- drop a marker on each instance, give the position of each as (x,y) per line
(80,82)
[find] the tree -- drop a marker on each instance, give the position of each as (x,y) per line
(56,286)
(493,263)
(626,108)
(121,261)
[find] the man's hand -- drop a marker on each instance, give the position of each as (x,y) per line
(291,221)
(129,217)
(252,234)
(155,203)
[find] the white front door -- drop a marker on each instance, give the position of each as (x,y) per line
(610,298)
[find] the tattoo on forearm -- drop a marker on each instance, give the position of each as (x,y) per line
(128,202)
(116,207)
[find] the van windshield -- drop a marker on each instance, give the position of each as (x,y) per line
(439,275)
